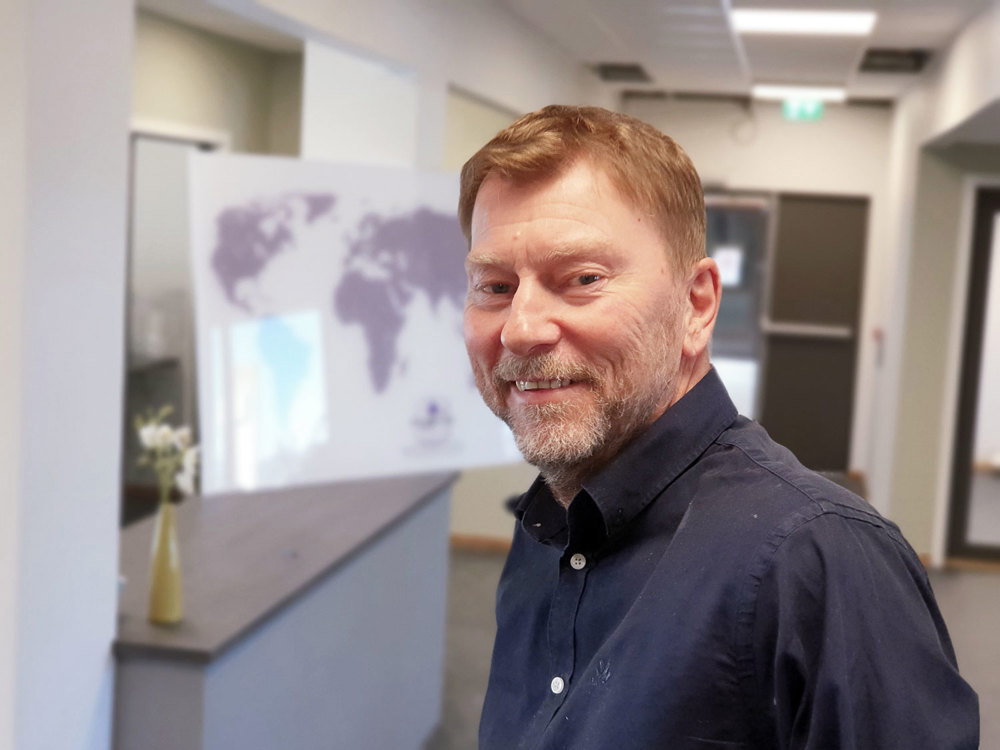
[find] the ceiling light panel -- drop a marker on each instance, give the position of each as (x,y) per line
(811,22)
(804,93)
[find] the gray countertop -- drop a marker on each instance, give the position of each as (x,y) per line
(245,556)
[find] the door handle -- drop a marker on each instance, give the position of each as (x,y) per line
(806,330)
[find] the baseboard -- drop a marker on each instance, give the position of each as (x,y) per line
(980,566)
(479,543)
(859,476)
(985,467)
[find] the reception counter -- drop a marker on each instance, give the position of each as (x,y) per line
(314,618)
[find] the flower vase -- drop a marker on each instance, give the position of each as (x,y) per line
(166,605)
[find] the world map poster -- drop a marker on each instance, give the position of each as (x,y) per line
(328,313)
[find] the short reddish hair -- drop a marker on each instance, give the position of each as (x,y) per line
(646,166)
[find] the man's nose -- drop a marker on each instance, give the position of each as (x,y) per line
(531,324)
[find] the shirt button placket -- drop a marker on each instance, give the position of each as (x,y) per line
(562,623)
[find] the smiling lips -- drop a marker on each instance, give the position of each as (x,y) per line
(538,385)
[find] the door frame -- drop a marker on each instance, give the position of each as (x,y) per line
(958,408)
(170,132)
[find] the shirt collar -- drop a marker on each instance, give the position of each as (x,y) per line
(642,470)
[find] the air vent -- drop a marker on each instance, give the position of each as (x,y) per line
(645,94)
(894,60)
(622,73)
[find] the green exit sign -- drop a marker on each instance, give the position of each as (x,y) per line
(802,109)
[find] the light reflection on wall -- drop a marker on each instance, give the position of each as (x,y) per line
(279,395)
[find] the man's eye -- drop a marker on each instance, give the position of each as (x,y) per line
(588,278)
(496,288)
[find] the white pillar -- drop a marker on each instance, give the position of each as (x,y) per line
(12,178)
(64,79)
(357,110)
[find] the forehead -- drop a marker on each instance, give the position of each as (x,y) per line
(578,206)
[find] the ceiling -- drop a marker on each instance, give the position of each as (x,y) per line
(203,15)
(689,46)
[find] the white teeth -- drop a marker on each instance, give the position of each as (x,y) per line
(535,385)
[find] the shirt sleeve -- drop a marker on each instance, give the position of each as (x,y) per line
(850,650)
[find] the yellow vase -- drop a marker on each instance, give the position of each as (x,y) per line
(166,605)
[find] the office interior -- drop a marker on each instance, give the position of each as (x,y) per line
(893,385)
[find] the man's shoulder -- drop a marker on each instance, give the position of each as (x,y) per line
(757,507)
(766,479)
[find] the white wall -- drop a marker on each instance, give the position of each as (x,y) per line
(924,344)
(469,123)
(63,370)
(967,78)
(845,153)
(476,46)
(13,132)
(185,76)
(357,110)
(284,121)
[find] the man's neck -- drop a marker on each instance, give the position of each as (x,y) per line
(562,486)
(565,480)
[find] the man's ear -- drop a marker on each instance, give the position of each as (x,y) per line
(704,290)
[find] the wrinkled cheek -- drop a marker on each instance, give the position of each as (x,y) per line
(487,387)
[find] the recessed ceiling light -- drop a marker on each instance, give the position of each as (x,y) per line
(814,93)
(819,22)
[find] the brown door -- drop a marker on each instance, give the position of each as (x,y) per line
(810,326)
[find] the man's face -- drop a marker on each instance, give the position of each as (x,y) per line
(574,318)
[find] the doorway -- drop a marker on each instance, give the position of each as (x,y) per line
(159,327)
(810,324)
(974,523)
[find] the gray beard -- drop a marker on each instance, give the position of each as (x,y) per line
(566,446)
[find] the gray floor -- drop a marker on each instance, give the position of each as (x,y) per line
(472,584)
(970,602)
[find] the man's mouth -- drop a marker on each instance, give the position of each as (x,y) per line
(539,385)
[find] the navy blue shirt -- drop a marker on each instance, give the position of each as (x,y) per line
(706,591)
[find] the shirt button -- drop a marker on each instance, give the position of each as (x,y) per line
(578,561)
(557,685)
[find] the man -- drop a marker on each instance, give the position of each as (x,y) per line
(676,580)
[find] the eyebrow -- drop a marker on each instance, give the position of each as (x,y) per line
(568,250)
(481,260)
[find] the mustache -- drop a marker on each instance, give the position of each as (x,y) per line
(541,367)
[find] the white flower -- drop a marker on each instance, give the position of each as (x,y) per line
(147,435)
(164,436)
(182,438)
(189,468)
(190,460)
(185,482)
